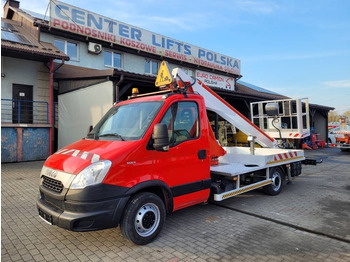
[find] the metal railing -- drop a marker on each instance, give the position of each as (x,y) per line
(24,111)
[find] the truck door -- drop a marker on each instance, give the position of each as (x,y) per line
(186,166)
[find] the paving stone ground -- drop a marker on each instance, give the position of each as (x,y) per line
(318,200)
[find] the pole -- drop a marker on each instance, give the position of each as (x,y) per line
(51,105)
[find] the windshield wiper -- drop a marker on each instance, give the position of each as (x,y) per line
(113,135)
(91,135)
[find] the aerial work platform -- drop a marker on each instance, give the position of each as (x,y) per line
(218,105)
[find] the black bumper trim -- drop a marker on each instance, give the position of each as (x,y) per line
(87,216)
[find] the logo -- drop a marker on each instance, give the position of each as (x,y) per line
(51,173)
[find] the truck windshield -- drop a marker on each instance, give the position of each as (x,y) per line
(126,122)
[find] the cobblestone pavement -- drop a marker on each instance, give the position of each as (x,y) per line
(317,201)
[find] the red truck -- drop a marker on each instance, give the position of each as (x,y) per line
(152,155)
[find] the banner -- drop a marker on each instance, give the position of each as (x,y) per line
(79,21)
(214,80)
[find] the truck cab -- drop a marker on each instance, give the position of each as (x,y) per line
(87,185)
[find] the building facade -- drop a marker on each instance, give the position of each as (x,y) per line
(92,61)
(26,88)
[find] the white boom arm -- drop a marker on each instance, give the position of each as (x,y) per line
(216,104)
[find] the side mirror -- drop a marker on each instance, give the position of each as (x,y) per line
(161,137)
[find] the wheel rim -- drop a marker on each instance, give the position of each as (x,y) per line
(147,219)
(276,181)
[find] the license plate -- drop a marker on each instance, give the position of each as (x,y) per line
(46,217)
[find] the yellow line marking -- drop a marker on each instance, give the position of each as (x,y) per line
(246,189)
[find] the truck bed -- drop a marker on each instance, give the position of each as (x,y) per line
(238,160)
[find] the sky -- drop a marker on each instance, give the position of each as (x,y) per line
(296,48)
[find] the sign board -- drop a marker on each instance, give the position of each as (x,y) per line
(79,21)
(164,76)
(215,80)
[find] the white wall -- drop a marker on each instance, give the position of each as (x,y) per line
(130,62)
(81,108)
(19,71)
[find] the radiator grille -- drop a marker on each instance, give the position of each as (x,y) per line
(52,184)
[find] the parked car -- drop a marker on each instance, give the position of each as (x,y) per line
(332,136)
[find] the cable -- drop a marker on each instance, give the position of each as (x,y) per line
(282,145)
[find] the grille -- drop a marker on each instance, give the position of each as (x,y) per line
(52,184)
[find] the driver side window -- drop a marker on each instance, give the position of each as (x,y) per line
(182,122)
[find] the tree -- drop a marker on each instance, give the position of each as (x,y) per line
(347,113)
(333,116)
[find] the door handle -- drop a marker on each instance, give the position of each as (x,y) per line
(202,154)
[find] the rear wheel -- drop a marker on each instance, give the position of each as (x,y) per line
(277,176)
(143,218)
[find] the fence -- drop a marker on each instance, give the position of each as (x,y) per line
(23,111)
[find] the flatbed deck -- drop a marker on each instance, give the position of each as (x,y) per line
(238,160)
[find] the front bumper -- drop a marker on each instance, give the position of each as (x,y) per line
(81,215)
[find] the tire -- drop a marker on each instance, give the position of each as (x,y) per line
(275,187)
(143,218)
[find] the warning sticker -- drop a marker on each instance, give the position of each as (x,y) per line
(164,76)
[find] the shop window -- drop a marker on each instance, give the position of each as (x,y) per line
(67,47)
(151,67)
(112,59)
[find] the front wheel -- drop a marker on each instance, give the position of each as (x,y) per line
(277,176)
(143,218)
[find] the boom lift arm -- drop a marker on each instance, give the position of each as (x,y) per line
(218,105)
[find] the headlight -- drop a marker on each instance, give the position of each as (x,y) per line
(91,175)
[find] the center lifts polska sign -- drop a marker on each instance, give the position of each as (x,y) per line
(70,18)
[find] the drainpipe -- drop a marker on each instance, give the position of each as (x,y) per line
(116,89)
(51,105)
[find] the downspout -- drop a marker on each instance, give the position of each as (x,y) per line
(51,105)
(116,97)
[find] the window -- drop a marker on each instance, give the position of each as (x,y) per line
(126,122)
(8,27)
(151,67)
(182,122)
(67,47)
(10,33)
(113,59)
(15,37)
(188,71)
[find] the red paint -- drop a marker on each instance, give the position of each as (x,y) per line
(19,144)
(133,163)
